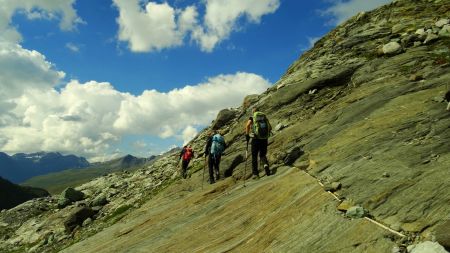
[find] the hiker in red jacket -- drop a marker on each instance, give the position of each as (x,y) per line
(186,155)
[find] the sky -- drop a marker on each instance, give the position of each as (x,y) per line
(105,78)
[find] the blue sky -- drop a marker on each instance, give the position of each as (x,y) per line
(109,77)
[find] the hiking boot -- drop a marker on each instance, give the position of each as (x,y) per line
(211,181)
(217,175)
(255,177)
(266,168)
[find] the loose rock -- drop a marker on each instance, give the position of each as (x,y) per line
(77,217)
(442,22)
(442,234)
(72,194)
(430,38)
(445,32)
(426,247)
(392,48)
(356,212)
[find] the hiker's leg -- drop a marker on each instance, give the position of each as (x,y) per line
(255,156)
(184,165)
(263,156)
(216,166)
(210,167)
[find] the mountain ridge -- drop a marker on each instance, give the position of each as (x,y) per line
(21,166)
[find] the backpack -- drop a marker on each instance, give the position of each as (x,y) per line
(187,155)
(261,126)
(217,145)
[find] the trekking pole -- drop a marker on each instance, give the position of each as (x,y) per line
(204,168)
(246,158)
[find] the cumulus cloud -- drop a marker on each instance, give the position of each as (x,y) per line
(158,26)
(23,70)
(341,10)
(90,118)
(36,9)
(150,29)
(221,18)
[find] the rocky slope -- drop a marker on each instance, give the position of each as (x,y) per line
(360,155)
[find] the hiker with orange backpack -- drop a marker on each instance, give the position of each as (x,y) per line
(186,155)
(214,149)
(259,127)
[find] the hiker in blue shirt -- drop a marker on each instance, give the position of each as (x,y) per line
(214,150)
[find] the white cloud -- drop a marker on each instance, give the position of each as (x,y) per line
(23,70)
(72,47)
(221,19)
(151,29)
(36,9)
(160,26)
(342,10)
(188,134)
(90,118)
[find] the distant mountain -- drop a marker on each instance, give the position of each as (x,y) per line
(20,167)
(58,181)
(12,195)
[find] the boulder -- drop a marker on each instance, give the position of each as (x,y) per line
(333,187)
(445,31)
(415,77)
(430,38)
(77,217)
(392,48)
(224,116)
(72,194)
(442,22)
(99,201)
(345,205)
(63,202)
(356,212)
(442,233)
(229,167)
(293,155)
(249,101)
(421,33)
(426,247)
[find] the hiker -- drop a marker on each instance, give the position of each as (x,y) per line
(186,155)
(447,98)
(259,128)
(214,150)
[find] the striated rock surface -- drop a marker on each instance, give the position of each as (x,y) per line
(352,115)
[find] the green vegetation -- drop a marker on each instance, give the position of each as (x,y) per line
(58,181)
(119,213)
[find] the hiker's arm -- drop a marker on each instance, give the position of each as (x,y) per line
(208,146)
(248,126)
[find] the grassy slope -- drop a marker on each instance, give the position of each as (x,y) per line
(57,182)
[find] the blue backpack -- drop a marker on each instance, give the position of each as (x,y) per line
(217,145)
